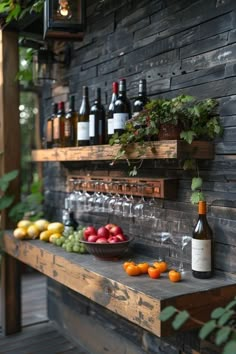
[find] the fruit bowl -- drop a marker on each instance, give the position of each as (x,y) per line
(107,251)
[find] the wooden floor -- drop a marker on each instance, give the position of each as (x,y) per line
(38,336)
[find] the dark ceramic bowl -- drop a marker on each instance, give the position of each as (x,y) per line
(107,250)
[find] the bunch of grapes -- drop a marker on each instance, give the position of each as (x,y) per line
(70,240)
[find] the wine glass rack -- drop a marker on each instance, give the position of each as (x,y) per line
(163,188)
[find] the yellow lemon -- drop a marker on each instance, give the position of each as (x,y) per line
(54,236)
(33,231)
(56,227)
(42,224)
(24,223)
(44,235)
(20,233)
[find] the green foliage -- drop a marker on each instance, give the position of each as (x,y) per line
(196,183)
(5,199)
(220,328)
(16,9)
(31,204)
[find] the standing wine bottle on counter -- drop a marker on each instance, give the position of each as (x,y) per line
(141,100)
(122,109)
(59,126)
(202,246)
(97,128)
(49,130)
(71,121)
(83,120)
(110,125)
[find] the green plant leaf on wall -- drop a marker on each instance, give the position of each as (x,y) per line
(217,313)
(225,317)
(222,335)
(167,313)
(207,329)
(196,197)
(230,347)
(7,178)
(189,164)
(231,304)
(196,183)
(188,136)
(180,319)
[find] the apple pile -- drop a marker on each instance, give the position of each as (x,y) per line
(111,233)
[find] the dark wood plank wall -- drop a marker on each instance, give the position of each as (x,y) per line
(182,46)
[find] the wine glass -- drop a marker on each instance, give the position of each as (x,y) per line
(162,238)
(139,206)
(180,242)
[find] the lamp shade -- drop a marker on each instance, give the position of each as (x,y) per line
(64,19)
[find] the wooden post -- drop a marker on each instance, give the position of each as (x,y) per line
(10,160)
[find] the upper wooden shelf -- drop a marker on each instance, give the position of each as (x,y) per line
(138,299)
(165,149)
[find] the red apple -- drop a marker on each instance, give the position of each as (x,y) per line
(103,232)
(101,240)
(90,230)
(110,226)
(116,230)
(92,238)
(113,239)
(121,237)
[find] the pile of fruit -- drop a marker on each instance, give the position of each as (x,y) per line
(110,233)
(70,241)
(154,271)
(41,228)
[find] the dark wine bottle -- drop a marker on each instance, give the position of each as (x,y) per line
(83,120)
(71,121)
(59,126)
(111,107)
(142,99)
(49,130)
(122,109)
(97,128)
(202,246)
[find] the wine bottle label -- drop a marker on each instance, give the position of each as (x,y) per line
(83,131)
(110,126)
(56,128)
(201,255)
(91,125)
(49,132)
(119,120)
(67,129)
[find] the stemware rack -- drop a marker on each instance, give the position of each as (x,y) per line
(163,188)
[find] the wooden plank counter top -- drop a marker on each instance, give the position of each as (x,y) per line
(138,299)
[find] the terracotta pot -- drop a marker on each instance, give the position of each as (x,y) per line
(169,131)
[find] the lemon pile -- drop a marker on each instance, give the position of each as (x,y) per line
(42,229)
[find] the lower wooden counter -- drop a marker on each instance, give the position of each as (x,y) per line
(138,299)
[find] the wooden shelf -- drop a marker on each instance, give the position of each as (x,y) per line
(138,299)
(166,149)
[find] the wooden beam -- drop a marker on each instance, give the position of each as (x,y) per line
(10,160)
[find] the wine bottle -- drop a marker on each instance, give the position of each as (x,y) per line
(59,126)
(68,218)
(97,128)
(122,109)
(71,120)
(141,100)
(49,130)
(83,120)
(202,246)
(110,125)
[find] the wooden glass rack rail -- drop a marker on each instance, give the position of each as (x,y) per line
(166,149)
(138,299)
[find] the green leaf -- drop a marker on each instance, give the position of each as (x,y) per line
(196,183)
(230,305)
(225,317)
(230,347)
(189,164)
(188,136)
(9,176)
(180,319)
(6,201)
(222,335)
(196,197)
(207,328)
(167,313)
(217,313)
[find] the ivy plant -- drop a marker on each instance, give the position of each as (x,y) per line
(219,329)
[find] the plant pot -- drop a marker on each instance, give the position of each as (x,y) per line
(168,131)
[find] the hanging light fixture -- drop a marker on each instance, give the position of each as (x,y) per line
(64,19)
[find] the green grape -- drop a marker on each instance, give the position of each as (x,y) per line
(63,245)
(71,237)
(69,248)
(82,249)
(76,249)
(62,239)
(58,242)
